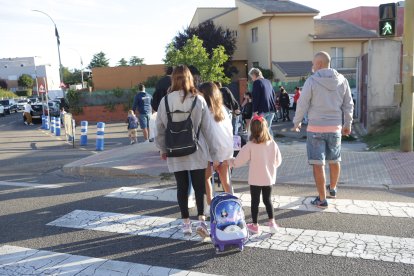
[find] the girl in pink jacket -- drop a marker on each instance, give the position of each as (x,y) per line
(264,157)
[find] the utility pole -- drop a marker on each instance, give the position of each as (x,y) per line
(406,132)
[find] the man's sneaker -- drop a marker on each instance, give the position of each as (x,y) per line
(273,227)
(187,228)
(31,124)
(25,123)
(332,192)
(202,230)
(254,229)
(319,203)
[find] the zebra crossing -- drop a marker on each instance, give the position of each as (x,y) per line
(357,246)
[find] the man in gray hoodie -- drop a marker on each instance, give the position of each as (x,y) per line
(326,99)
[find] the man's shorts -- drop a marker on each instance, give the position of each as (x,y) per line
(144,120)
(132,132)
(323,146)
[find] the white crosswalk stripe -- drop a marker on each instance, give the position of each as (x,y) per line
(30,185)
(344,206)
(25,261)
(351,245)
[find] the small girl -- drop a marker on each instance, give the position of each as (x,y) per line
(220,125)
(264,158)
(132,122)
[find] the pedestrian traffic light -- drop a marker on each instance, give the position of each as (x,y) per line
(387,19)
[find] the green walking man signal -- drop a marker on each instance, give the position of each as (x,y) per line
(387,19)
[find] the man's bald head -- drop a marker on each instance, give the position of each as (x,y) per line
(321,60)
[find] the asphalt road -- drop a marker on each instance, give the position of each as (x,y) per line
(31,158)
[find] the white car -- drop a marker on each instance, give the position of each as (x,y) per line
(2,113)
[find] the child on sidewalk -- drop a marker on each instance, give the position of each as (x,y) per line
(220,125)
(132,122)
(264,158)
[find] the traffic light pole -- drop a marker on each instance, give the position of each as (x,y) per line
(406,133)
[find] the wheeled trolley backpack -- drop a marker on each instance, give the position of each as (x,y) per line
(228,226)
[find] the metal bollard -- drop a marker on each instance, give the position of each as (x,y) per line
(52,125)
(100,136)
(43,122)
(47,125)
(84,133)
(57,126)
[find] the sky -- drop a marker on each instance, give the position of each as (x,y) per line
(119,28)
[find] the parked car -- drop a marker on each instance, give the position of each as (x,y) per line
(54,108)
(9,106)
(36,113)
(2,112)
(20,104)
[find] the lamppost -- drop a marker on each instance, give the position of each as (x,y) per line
(81,63)
(58,44)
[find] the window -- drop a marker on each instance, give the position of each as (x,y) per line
(255,64)
(255,35)
(337,57)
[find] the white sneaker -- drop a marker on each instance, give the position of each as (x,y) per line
(202,230)
(187,228)
(31,124)
(25,123)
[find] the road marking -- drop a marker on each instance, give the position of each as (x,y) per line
(360,246)
(343,206)
(31,185)
(16,260)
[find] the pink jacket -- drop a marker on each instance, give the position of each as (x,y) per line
(264,159)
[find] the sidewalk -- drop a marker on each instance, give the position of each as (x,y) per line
(360,168)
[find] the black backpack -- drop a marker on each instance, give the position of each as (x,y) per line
(180,138)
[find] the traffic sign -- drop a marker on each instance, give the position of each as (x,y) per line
(42,89)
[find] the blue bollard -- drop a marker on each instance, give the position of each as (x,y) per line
(47,126)
(43,122)
(57,126)
(100,136)
(84,133)
(52,125)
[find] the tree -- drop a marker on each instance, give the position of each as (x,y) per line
(99,60)
(193,53)
(25,81)
(212,37)
(122,62)
(74,77)
(134,61)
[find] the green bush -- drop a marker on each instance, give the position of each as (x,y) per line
(7,94)
(118,92)
(24,93)
(152,81)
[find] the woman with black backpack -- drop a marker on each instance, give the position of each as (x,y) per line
(185,142)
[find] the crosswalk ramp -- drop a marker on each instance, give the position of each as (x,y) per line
(382,248)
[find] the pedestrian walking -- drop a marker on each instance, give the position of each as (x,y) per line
(132,122)
(232,106)
(326,99)
(296,98)
(264,157)
(183,100)
(27,114)
(142,103)
(221,128)
(263,97)
(285,104)
(247,110)
(161,88)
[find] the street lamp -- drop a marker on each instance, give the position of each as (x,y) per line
(58,44)
(81,63)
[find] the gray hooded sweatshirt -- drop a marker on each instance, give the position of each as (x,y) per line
(326,98)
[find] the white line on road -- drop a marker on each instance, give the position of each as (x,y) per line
(25,261)
(31,185)
(344,206)
(360,246)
